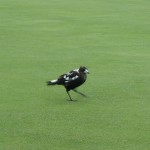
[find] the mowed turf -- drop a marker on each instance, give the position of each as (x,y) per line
(40,40)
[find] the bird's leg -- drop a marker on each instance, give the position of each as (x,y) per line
(69,95)
(79,92)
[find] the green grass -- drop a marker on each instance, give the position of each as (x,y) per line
(41,39)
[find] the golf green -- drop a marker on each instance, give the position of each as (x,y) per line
(42,39)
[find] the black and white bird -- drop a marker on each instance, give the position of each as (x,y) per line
(71,80)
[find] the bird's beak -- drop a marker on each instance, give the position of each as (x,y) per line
(86,71)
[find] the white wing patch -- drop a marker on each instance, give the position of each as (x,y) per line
(68,79)
(74,77)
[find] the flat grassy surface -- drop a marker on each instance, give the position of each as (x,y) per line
(41,39)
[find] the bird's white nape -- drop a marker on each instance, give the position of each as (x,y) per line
(77,70)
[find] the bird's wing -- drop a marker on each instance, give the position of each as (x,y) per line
(72,75)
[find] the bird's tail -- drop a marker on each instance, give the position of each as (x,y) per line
(52,82)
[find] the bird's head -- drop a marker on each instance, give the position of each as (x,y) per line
(83,70)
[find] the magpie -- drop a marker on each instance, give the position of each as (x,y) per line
(71,80)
